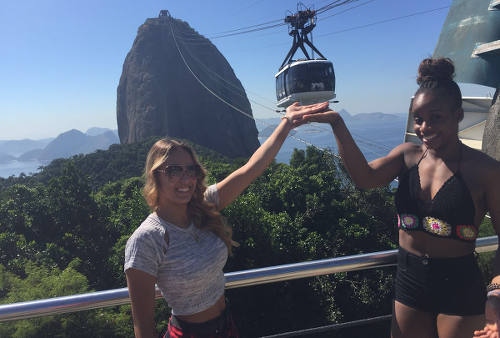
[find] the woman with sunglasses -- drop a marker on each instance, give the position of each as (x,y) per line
(445,189)
(183,245)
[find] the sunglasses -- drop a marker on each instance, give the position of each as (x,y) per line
(177,171)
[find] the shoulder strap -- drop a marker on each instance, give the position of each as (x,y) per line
(423,155)
(460,156)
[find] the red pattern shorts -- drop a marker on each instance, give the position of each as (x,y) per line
(220,327)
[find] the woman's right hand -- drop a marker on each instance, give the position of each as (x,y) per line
(328,116)
(295,113)
(492,316)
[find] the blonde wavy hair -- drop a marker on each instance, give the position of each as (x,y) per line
(203,214)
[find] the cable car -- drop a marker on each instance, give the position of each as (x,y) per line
(308,80)
(305,81)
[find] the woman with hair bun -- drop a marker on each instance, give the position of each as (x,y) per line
(183,245)
(445,189)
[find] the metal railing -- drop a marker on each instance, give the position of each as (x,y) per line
(95,300)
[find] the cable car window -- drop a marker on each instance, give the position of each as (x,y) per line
(289,82)
(284,91)
(282,83)
(280,86)
(310,77)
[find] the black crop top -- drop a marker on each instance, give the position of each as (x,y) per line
(450,214)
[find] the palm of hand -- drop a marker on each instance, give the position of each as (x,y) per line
(296,112)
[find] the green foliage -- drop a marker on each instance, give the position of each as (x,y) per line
(306,211)
(64,230)
(42,282)
(485,260)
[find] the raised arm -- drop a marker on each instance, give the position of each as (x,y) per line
(141,288)
(240,179)
(365,175)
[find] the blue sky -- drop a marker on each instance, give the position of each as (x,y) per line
(61,60)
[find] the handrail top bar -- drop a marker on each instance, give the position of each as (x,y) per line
(314,263)
(100,299)
(98,295)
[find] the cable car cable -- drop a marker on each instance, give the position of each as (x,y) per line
(234,88)
(384,21)
(237,90)
(224,101)
(334,5)
(236,108)
(344,30)
(363,26)
(346,10)
(248,27)
(247,31)
(244,30)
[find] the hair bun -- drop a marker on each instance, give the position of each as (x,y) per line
(441,69)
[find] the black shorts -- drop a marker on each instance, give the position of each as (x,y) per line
(452,286)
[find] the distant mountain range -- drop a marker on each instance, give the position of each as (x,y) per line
(15,148)
(65,145)
(375,133)
(362,120)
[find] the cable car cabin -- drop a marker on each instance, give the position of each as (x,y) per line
(305,81)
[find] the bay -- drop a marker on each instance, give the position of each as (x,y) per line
(374,140)
(17,167)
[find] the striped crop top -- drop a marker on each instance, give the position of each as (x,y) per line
(188,269)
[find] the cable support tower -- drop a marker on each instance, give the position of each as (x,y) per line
(301,24)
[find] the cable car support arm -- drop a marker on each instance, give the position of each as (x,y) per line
(299,32)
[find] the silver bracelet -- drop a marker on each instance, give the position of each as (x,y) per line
(287,118)
(492,287)
(493,293)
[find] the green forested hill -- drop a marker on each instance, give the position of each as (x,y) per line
(63,231)
(104,166)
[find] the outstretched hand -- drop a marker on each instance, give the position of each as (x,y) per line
(297,113)
(327,116)
(492,314)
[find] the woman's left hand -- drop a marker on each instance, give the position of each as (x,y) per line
(295,112)
(492,314)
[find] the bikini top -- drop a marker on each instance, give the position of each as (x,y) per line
(450,214)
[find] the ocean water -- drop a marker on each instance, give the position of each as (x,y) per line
(374,140)
(17,167)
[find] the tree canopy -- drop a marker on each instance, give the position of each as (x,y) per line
(63,231)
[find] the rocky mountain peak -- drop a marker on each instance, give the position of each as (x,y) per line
(159,95)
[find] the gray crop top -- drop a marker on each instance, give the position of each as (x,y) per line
(188,269)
